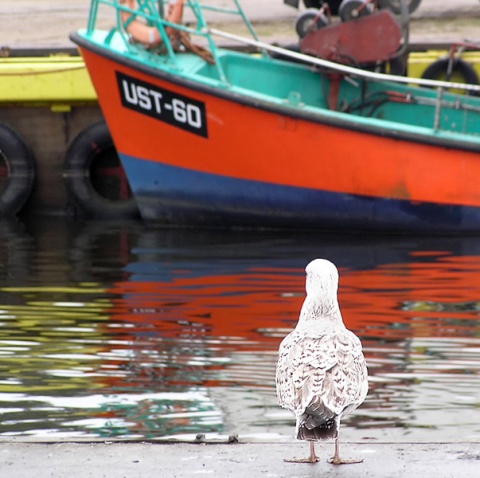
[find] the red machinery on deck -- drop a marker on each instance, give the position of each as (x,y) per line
(367,39)
(364,37)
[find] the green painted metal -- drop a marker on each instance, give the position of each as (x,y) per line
(152,13)
(364,98)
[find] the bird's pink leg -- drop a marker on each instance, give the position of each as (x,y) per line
(336,460)
(313,458)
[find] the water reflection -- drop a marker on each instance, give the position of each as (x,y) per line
(118,330)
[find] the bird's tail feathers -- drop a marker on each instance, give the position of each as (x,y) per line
(312,428)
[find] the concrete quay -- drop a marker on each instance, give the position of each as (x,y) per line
(47,24)
(239,460)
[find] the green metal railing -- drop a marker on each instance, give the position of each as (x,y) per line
(151,11)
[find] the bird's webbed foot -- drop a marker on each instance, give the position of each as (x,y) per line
(340,461)
(336,460)
(302,460)
(313,458)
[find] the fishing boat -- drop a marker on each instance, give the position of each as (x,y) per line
(220,137)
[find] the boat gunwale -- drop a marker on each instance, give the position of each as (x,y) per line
(344,121)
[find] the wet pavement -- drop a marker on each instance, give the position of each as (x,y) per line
(103,460)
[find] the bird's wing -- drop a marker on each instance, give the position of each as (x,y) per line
(346,384)
(321,373)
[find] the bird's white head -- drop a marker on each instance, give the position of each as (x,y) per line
(322,287)
(322,278)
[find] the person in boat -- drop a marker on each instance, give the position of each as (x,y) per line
(149,35)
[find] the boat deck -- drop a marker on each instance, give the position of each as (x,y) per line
(304,90)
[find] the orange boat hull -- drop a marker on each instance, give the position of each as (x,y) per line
(219,160)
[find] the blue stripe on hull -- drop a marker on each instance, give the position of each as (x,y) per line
(173,195)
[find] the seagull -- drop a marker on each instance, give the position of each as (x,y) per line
(321,374)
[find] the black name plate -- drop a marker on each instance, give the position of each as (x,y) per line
(163,105)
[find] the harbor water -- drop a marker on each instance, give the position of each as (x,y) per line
(118,330)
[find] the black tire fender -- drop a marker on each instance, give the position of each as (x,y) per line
(439,68)
(90,146)
(19,164)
